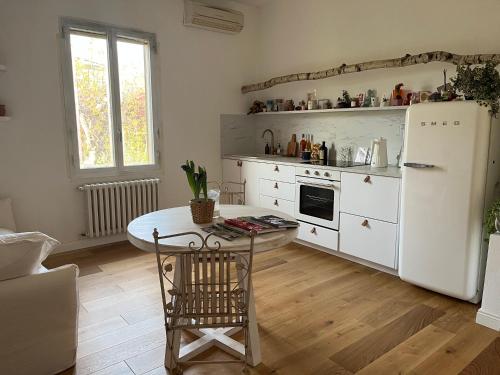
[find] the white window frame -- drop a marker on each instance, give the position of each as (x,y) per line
(112,34)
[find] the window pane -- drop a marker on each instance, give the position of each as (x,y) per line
(135,97)
(92,100)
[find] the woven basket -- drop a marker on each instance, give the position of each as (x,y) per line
(202,211)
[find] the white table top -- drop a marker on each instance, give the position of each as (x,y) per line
(178,220)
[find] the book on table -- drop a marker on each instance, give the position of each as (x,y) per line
(230,229)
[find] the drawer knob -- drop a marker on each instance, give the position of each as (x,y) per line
(327,174)
(364,223)
(367,179)
(313,230)
(276,169)
(276,185)
(239,163)
(307,171)
(276,202)
(316,173)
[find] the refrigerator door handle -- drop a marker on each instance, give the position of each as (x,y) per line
(418,165)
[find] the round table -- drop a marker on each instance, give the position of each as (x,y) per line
(179,220)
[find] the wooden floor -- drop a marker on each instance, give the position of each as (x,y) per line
(318,314)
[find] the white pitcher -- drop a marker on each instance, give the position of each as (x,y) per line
(379,153)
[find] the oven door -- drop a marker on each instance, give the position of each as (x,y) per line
(317,201)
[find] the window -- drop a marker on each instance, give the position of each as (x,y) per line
(109,97)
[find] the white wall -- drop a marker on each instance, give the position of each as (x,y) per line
(304,36)
(201,73)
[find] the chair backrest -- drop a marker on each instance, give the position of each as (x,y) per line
(210,285)
(231,192)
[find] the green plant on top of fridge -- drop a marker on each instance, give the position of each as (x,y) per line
(492,220)
(481,83)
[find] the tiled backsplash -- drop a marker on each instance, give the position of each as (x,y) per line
(336,129)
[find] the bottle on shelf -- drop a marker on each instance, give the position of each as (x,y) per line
(267,150)
(308,142)
(323,153)
(278,150)
(303,144)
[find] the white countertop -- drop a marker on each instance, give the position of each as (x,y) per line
(390,171)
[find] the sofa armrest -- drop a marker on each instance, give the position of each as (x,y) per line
(39,318)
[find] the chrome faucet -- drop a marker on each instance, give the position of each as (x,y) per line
(273,150)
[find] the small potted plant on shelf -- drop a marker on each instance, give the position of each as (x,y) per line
(481,84)
(492,221)
(202,209)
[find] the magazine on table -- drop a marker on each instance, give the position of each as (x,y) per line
(231,229)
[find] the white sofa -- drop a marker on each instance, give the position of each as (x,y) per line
(38,310)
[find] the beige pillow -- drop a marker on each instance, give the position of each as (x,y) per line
(6,217)
(23,253)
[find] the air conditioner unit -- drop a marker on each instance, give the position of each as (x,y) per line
(213,18)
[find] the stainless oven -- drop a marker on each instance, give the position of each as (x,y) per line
(317,198)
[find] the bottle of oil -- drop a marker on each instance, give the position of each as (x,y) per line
(323,153)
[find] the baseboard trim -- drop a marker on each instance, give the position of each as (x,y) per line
(488,320)
(339,254)
(89,242)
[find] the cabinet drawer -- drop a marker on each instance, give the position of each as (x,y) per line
(277,189)
(278,172)
(277,204)
(371,196)
(369,239)
(318,235)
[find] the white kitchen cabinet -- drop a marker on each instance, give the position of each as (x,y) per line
(250,172)
(278,172)
(287,207)
(369,239)
(234,170)
(375,197)
(231,170)
(277,189)
(326,238)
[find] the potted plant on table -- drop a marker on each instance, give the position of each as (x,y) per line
(492,221)
(202,209)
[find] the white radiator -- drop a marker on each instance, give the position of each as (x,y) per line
(112,205)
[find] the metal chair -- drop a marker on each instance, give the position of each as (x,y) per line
(230,192)
(207,287)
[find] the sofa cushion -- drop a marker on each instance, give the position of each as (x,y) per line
(22,253)
(6,216)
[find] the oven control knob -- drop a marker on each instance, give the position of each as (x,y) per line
(316,173)
(327,174)
(307,171)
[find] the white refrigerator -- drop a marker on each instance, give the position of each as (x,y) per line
(451,172)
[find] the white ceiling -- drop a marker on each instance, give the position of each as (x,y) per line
(256,3)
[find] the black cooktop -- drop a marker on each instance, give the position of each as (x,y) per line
(334,163)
